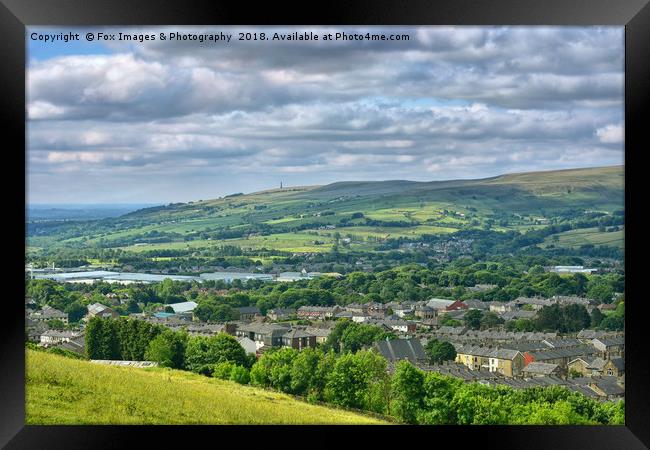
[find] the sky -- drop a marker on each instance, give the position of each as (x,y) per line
(177,121)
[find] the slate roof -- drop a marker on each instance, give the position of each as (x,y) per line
(520,314)
(269,329)
(296,333)
(561,343)
(51,313)
(183,307)
(474,350)
(60,334)
(451,330)
(532,301)
(477,304)
(541,368)
(399,349)
(593,334)
(597,364)
(77,345)
(608,385)
(555,353)
(504,353)
(319,332)
(611,341)
(619,363)
(525,346)
(96,308)
(317,308)
(439,303)
(282,311)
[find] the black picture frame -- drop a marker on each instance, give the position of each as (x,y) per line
(15,15)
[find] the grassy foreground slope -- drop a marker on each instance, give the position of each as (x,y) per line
(60,390)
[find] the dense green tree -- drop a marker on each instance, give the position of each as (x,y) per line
(438,392)
(439,351)
(274,369)
(203,352)
(520,325)
(491,320)
(240,374)
(596,317)
(407,392)
(612,323)
(168,349)
(600,291)
(56,324)
(223,370)
(575,318)
(358,381)
(102,340)
(76,311)
(305,377)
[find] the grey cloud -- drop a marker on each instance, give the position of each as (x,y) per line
(173,121)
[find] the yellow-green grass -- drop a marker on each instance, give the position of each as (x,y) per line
(385,232)
(420,213)
(64,391)
(290,242)
(583,236)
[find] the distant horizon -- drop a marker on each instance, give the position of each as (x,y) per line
(79,205)
(153,204)
(167,121)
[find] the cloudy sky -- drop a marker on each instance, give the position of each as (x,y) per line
(120,122)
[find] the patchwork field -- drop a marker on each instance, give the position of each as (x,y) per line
(63,391)
(576,238)
(292,219)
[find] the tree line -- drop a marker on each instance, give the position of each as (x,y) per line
(358,378)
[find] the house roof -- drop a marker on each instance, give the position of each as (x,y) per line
(474,350)
(591,334)
(399,349)
(520,314)
(264,328)
(610,341)
(560,343)
(296,333)
(477,304)
(282,311)
(608,385)
(317,308)
(52,313)
(183,306)
(541,368)
(59,334)
(619,363)
(319,332)
(445,329)
(456,305)
(504,353)
(97,308)
(439,303)
(555,353)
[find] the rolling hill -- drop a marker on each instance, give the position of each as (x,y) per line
(293,218)
(63,391)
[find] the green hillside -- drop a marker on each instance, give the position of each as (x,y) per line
(60,391)
(294,219)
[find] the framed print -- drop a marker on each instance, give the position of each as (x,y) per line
(368,214)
